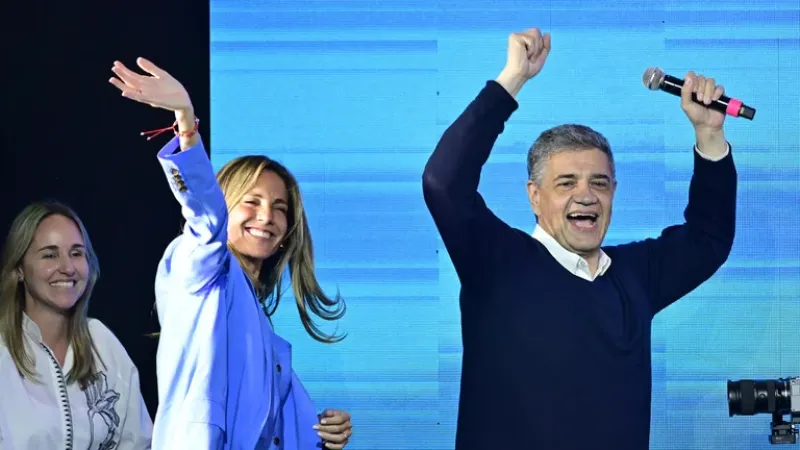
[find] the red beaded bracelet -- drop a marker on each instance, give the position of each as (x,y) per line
(187,134)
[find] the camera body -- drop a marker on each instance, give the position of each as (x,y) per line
(777,397)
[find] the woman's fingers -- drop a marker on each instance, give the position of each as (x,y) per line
(146,65)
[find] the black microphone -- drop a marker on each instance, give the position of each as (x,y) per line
(655,79)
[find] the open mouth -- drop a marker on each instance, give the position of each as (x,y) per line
(583,219)
(261,234)
(63,284)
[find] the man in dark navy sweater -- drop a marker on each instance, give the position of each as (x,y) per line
(556,328)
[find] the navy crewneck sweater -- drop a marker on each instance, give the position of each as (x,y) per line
(552,361)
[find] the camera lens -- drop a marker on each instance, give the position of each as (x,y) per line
(736,407)
(749,397)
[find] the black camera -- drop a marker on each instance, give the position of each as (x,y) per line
(777,397)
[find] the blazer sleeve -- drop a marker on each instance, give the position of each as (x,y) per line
(192,308)
(199,255)
(300,416)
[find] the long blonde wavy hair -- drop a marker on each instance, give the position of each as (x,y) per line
(12,295)
(236,179)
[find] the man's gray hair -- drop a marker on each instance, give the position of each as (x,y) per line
(564,138)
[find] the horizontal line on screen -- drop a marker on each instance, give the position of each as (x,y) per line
(474,19)
(324,71)
(325,46)
(749,43)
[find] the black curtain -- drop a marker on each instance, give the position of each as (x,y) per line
(67,134)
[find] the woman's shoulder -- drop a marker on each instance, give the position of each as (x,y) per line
(5,355)
(111,350)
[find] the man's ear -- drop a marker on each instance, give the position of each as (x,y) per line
(534,196)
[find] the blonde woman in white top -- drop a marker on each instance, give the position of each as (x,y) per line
(67,382)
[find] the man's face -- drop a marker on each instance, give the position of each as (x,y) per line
(573,202)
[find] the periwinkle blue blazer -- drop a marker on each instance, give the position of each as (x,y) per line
(225,379)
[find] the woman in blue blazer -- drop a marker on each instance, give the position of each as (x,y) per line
(225,378)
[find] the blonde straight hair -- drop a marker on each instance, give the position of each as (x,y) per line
(236,179)
(12,295)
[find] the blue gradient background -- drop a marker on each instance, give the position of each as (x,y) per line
(353,96)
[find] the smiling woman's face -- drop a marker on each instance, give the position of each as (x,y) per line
(55,270)
(257,224)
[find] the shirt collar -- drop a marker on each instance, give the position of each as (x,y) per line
(30,328)
(33,332)
(573,262)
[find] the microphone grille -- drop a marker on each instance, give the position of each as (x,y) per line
(652,78)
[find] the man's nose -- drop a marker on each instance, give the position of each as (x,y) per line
(585,195)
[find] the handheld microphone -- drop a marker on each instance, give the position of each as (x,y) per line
(655,79)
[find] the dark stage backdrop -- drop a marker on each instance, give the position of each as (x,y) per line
(67,134)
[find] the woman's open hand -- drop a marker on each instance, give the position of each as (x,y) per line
(159,89)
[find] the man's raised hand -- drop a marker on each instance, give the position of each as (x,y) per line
(527,53)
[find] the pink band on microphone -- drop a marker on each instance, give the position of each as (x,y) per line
(733,107)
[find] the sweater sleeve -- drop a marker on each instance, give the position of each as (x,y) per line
(469,230)
(687,255)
